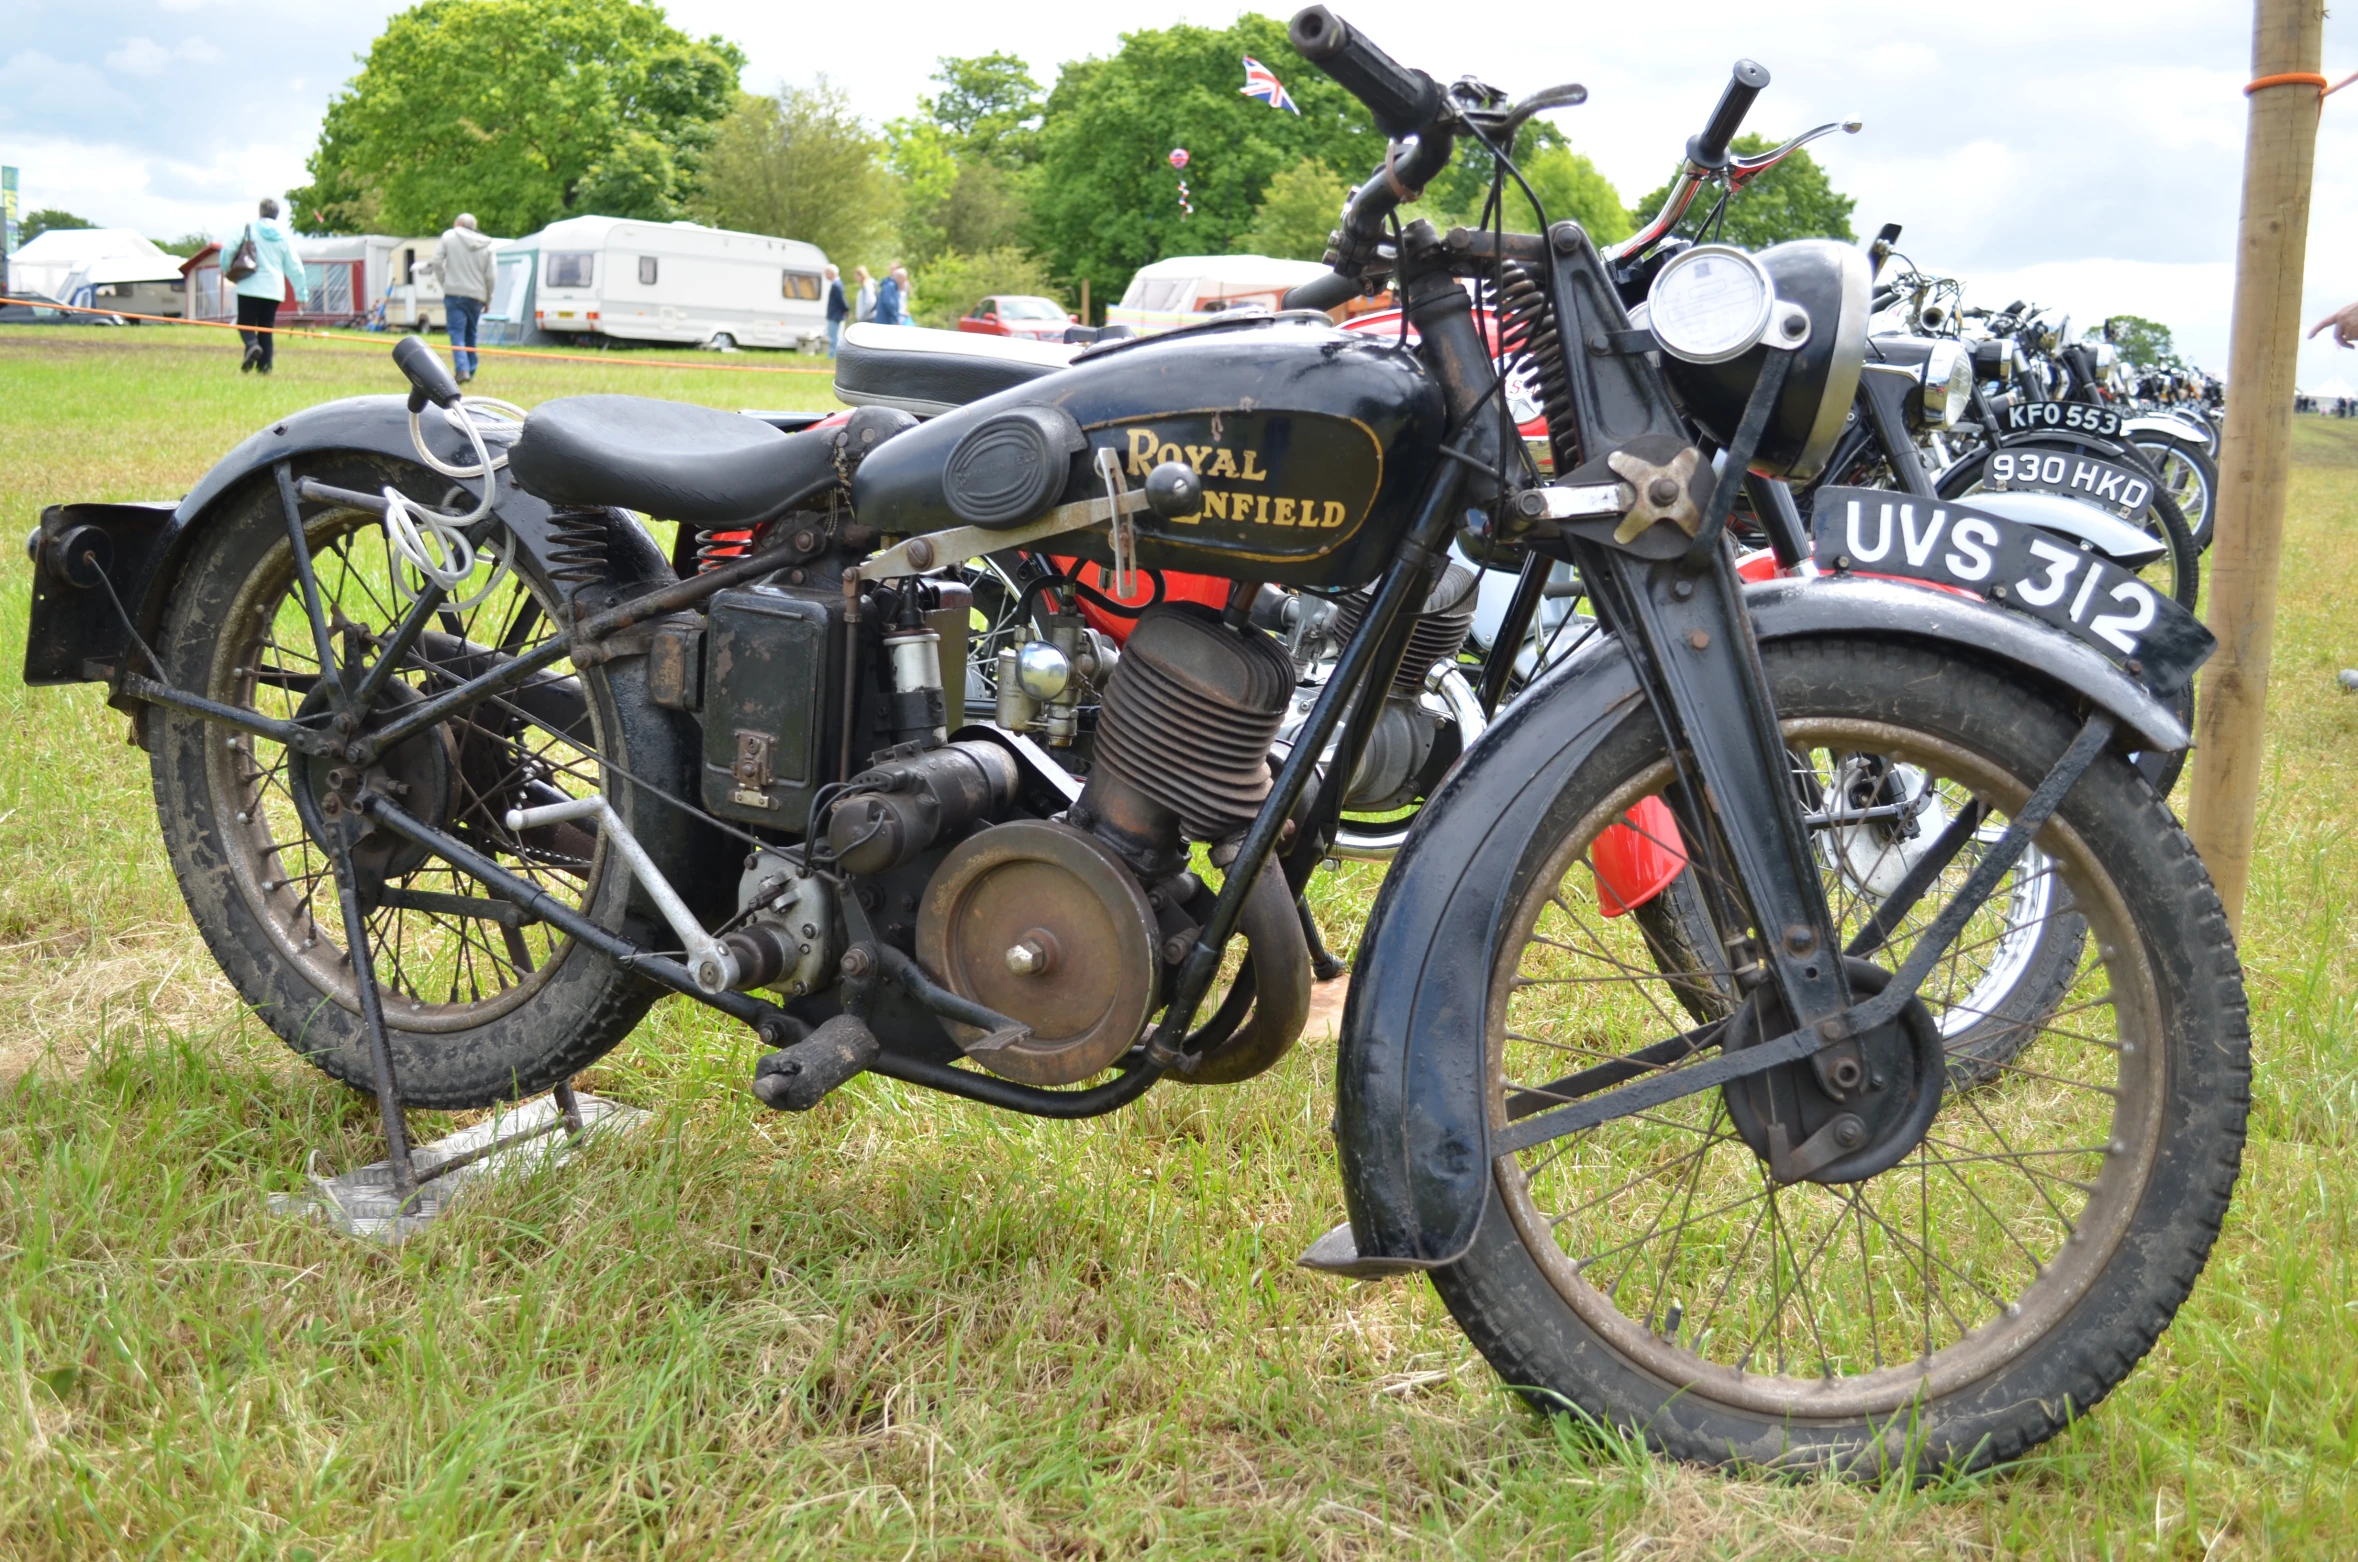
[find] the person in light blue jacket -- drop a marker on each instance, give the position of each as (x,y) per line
(260,292)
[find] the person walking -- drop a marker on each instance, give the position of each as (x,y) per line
(900,277)
(864,303)
(261,290)
(467,268)
(888,301)
(836,310)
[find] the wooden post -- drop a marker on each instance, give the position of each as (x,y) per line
(1084,301)
(2255,452)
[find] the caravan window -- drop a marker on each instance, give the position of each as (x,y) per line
(646,271)
(799,284)
(1158,292)
(571,268)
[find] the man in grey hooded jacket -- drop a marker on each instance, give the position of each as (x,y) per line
(467,268)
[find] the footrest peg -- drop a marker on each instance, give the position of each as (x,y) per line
(797,1078)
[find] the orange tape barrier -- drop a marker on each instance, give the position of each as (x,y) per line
(487,352)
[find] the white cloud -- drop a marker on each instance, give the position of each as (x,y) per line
(146,57)
(140,57)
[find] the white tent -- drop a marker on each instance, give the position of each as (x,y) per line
(66,261)
(2335,389)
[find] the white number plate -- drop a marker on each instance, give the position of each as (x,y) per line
(2076,415)
(2117,488)
(1873,531)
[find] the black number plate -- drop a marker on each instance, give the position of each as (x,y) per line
(2067,472)
(2075,415)
(1874,531)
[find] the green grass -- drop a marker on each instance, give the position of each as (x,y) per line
(902,1326)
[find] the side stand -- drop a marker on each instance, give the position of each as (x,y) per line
(361,1202)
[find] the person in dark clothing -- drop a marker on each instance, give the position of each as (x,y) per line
(837,310)
(888,301)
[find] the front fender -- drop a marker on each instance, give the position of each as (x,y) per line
(1412,1122)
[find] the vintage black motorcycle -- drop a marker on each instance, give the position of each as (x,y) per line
(459,775)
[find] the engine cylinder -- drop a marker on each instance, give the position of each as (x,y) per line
(1183,735)
(1442,625)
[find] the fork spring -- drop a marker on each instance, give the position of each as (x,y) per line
(577,554)
(1527,332)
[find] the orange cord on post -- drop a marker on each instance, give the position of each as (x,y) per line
(489,352)
(2301,79)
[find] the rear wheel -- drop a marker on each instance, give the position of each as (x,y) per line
(482,1003)
(1965,1293)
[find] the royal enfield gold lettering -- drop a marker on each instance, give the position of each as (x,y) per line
(1223,464)
(1285,512)
(1215,507)
(1196,454)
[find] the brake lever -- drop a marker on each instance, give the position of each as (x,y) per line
(1742,170)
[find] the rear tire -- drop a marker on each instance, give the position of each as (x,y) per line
(476,1012)
(1952,1310)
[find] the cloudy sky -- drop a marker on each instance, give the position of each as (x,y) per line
(2085,154)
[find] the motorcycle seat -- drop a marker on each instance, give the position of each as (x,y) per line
(676,462)
(932,372)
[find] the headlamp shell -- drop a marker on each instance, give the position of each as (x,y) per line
(1817,300)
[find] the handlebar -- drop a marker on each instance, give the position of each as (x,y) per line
(1403,101)
(1323,293)
(429,381)
(1710,149)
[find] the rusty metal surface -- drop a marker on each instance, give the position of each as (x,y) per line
(1087,978)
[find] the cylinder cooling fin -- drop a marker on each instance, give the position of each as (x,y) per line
(1190,713)
(1442,625)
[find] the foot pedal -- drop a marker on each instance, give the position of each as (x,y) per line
(1337,1253)
(797,1078)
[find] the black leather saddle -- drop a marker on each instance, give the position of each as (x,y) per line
(931,372)
(677,462)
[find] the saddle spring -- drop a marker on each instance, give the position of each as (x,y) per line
(716,547)
(579,540)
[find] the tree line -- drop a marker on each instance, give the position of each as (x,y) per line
(528,111)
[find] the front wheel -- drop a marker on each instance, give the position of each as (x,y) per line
(1953,1293)
(2189,475)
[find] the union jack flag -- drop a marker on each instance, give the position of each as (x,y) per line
(1261,82)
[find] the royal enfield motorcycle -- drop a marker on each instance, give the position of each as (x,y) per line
(459,774)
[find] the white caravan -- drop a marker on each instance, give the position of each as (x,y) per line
(1190,289)
(678,282)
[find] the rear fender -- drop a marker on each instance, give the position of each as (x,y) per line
(1412,1123)
(362,443)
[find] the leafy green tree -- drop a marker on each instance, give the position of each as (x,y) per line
(1105,200)
(800,164)
(185,245)
(989,106)
(47,219)
(1566,182)
(1300,209)
(955,283)
(521,111)
(962,157)
(1793,200)
(2145,343)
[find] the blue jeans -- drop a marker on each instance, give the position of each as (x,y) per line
(463,317)
(834,336)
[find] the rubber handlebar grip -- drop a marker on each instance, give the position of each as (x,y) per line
(1710,149)
(1403,101)
(429,379)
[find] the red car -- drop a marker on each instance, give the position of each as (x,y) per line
(1018,314)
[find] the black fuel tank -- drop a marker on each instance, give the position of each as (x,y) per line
(1312,442)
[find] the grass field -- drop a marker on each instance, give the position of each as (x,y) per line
(902,1326)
